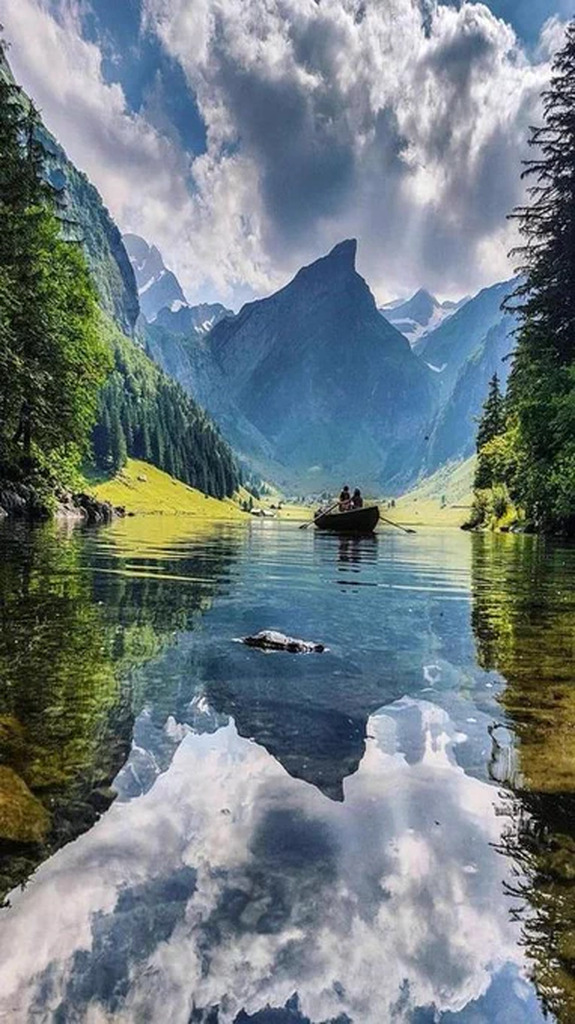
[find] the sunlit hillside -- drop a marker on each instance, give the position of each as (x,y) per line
(141,488)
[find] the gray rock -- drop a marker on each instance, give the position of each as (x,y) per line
(271,640)
(94,511)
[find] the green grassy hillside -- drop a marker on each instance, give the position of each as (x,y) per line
(142,488)
(443,499)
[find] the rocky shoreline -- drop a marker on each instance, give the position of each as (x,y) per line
(22,501)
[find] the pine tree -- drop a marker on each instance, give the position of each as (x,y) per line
(491,425)
(492,420)
(118,449)
(541,392)
(545,297)
(52,358)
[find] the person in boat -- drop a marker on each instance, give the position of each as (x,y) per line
(357,500)
(345,499)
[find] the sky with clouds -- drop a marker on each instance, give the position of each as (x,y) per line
(247,137)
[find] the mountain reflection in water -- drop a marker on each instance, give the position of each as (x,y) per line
(296,838)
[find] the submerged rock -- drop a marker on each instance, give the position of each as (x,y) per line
(23,819)
(271,640)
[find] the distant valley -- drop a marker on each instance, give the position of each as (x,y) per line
(315,382)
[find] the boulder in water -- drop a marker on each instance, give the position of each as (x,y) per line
(272,640)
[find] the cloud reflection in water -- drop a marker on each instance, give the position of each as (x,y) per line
(230,884)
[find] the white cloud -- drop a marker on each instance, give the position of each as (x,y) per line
(552,37)
(323,120)
(355,120)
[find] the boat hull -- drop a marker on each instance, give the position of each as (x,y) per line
(357,520)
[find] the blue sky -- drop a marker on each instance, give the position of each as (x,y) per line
(137,61)
(528,16)
(246,138)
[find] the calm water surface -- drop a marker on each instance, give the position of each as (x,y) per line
(195,831)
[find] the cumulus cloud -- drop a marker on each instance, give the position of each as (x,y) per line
(142,175)
(401,123)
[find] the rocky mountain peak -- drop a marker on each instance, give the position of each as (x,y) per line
(322,376)
(158,287)
(339,261)
(344,253)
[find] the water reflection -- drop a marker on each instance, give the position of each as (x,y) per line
(299,839)
(70,642)
(524,622)
(229,887)
(357,549)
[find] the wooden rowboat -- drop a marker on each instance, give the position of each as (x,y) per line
(356,520)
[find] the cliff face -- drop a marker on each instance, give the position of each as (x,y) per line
(465,352)
(452,437)
(90,222)
(451,344)
(330,384)
(87,219)
(158,287)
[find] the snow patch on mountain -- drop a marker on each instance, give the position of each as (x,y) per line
(419,315)
(158,287)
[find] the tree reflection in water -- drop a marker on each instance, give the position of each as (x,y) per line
(71,642)
(524,624)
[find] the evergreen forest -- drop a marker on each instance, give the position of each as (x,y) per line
(73,388)
(526,438)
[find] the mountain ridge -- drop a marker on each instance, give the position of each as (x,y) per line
(87,219)
(280,377)
(419,315)
(320,373)
(158,287)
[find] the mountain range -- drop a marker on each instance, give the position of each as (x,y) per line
(161,297)
(419,315)
(309,385)
(313,382)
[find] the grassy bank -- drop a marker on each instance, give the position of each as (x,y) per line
(142,489)
(443,499)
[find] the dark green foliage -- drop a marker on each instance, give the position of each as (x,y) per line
(542,381)
(56,347)
(492,420)
(537,451)
(84,217)
(52,358)
(491,425)
(145,414)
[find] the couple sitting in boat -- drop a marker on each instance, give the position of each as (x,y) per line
(348,501)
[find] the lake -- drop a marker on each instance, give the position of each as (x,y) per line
(197,831)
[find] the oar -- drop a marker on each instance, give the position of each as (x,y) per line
(406,529)
(323,512)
